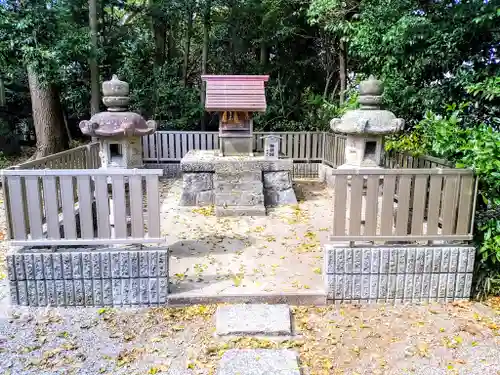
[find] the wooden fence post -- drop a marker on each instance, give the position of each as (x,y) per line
(157,136)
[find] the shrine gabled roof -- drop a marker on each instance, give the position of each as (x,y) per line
(243,93)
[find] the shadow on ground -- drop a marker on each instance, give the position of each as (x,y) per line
(309,190)
(210,244)
(182,282)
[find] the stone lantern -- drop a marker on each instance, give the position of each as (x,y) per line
(366,127)
(118,131)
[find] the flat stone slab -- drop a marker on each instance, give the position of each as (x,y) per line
(211,161)
(259,362)
(253,319)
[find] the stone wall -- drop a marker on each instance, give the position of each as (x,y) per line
(89,277)
(398,274)
(278,188)
(197,189)
(170,170)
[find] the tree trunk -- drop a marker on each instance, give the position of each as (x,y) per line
(2,93)
(159,37)
(47,117)
(204,57)
(264,54)
(187,45)
(171,52)
(343,70)
(159,30)
(95,94)
(233,37)
(327,84)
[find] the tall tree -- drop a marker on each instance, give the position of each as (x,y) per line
(48,119)
(204,55)
(95,92)
(187,39)
(336,16)
(159,32)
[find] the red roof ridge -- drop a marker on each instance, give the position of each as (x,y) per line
(208,77)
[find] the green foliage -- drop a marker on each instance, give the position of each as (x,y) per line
(4,162)
(426,53)
(453,137)
(489,89)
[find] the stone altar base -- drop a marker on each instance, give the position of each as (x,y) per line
(236,185)
(88,277)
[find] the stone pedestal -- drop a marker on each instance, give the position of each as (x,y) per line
(88,277)
(237,185)
(397,273)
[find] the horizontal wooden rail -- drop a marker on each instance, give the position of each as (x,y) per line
(401,238)
(82,172)
(403,171)
(81,157)
(95,241)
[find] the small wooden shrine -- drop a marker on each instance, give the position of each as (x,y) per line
(235,98)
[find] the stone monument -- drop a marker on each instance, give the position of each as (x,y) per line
(271,146)
(366,127)
(118,131)
(237,180)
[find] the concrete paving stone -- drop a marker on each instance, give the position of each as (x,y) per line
(253,319)
(259,362)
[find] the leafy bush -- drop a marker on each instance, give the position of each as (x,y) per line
(4,162)
(476,147)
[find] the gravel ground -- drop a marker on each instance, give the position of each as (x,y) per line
(461,338)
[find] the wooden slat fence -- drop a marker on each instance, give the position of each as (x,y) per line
(82,157)
(404,160)
(327,147)
(384,205)
(55,207)
(299,146)
(172,146)
(334,149)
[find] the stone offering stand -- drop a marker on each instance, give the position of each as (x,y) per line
(237,185)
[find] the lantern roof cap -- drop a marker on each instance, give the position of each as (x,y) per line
(117,121)
(369,118)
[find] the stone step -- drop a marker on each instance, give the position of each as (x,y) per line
(258,210)
(253,319)
(259,362)
(237,177)
(239,198)
(229,187)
